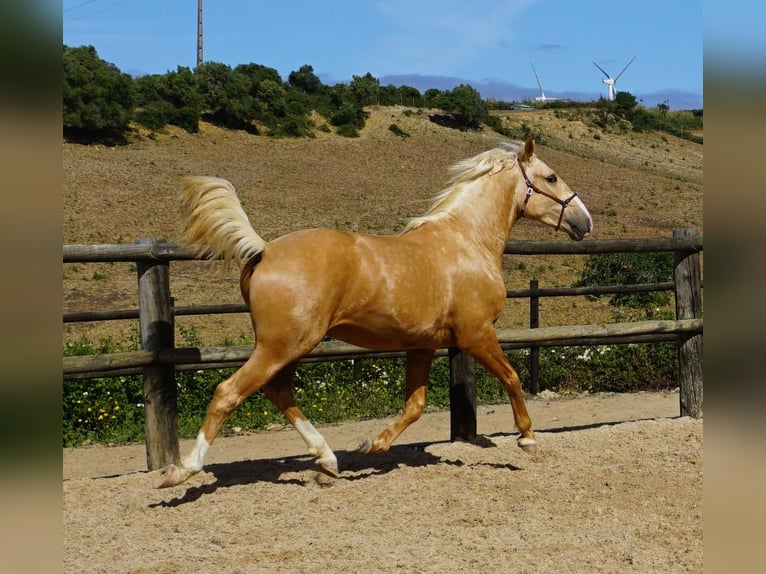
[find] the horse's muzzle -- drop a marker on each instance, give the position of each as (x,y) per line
(579,228)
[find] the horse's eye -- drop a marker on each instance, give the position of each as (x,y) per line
(552,178)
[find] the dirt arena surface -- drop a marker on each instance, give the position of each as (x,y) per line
(616,487)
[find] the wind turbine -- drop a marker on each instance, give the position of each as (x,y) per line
(611,83)
(542,97)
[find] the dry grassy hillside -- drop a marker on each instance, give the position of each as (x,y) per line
(636,185)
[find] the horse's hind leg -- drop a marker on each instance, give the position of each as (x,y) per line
(416,383)
(491,356)
(280,392)
(254,374)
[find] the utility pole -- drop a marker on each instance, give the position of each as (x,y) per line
(199,32)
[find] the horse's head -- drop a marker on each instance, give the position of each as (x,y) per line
(548,199)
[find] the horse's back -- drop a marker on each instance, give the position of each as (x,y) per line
(359,286)
(339,262)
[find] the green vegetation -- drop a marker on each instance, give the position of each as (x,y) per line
(111,410)
(396,130)
(630,269)
(626,114)
(98,98)
(100,102)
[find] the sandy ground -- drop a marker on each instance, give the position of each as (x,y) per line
(616,487)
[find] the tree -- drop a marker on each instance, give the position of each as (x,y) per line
(365,89)
(431,97)
(410,96)
(257,74)
(388,95)
(172,98)
(624,103)
(98,97)
(465,104)
(272,97)
(305,80)
(226,95)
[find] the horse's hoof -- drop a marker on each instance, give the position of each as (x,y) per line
(168,476)
(328,467)
(364,447)
(172,476)
(528,445)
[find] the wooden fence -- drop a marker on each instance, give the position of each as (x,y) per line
(159,358)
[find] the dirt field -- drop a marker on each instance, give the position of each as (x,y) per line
(616,487)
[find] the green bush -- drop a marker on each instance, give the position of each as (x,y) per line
(496,124)
(98,99)
(105,410)
(347,130)
(348,114)
(396,130)
(629,269)
(227,95)
(465,104)
(305,80)
(111,410)
(609,368)
(169,99)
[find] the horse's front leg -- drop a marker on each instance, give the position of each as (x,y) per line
(418,367)
(490,355)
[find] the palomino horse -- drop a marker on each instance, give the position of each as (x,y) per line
(437,284)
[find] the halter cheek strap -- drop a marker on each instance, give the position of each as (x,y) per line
(532,188)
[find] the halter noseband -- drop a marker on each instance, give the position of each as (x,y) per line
(532,188)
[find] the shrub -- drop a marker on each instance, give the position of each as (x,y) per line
(348,114)
(629,269)
(496,125)
(169,99)
(396,130)
(347,130)
(305,80)
(98,99)
(105,410)
(609,368)
(465,104)
(226,95)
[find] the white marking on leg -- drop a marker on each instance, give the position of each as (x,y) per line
(318,446)
(315,441)
(196,458)
(525,441)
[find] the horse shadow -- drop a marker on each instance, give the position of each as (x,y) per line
(355,466)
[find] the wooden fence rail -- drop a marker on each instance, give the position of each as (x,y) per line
(235,355)
(159,358)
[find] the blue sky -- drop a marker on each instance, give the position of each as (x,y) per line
(421,43)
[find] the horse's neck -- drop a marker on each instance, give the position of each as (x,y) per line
(487,211)
(480,220)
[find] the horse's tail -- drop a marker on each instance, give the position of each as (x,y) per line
(214,223)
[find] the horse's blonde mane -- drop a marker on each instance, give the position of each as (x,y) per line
(463,173)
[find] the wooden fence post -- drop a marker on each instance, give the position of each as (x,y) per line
(358,369)
(534,350)
(462,396)
(686,275)
(160,394)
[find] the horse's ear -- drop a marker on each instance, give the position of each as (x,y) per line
(529,149)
